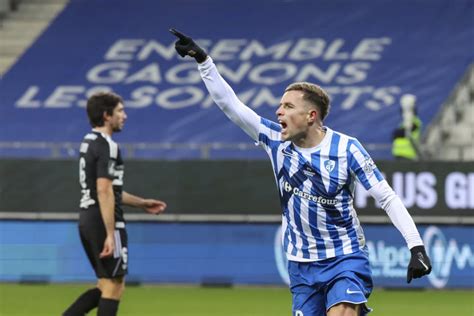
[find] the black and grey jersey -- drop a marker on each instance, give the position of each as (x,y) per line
(99,158)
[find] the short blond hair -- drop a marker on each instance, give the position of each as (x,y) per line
(314,94)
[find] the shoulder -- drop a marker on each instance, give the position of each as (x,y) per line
(102,144)
(91,143)
(95,140)
(275,127)
(112,146)
(351,146)
(344,138)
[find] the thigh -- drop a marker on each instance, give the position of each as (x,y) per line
(93,238)
(112,288)
(307,296)
(345,309)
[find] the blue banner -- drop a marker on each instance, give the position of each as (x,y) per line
(366,56)
(221,254)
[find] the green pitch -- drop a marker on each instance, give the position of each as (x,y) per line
(38,300)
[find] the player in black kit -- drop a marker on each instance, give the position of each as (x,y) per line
(101,222)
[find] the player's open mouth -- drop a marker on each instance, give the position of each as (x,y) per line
(283,125)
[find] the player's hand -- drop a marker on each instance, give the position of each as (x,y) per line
(419,265)
(186,46)
(108,249)
(154,206)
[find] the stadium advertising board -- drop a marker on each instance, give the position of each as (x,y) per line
(426,189)
(232,187)
(366,61)
(221,254)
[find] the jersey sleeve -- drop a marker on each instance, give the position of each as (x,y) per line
(269,133)
(227,100)
(104,162)
(393,206)
(362,165)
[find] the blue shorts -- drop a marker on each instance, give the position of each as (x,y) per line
(319,285)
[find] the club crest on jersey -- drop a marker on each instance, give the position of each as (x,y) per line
(329,165)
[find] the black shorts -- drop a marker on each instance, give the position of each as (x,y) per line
(93,237)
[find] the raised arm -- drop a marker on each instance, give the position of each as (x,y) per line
(220,91)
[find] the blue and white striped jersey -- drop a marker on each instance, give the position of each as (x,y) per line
(316,187)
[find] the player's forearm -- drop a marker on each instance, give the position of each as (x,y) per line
(227,100)
(397,212)
(403,222)
(107,202)
(132,200)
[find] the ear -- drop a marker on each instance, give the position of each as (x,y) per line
(105,116)
(312,116)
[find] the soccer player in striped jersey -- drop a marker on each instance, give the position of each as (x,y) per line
(101,222)
(315,170)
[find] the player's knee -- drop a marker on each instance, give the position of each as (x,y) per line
(112,288)
(119,287)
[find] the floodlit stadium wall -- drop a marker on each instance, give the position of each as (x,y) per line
(220,254)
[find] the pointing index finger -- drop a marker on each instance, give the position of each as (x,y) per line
(409,275)
(178,34)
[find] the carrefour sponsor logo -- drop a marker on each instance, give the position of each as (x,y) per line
(318,199)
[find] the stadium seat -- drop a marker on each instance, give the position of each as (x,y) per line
(463,97)
(434,136)
(468,115)
(449,117)
(4,7)
(449,153)
(460,134)
(468,153)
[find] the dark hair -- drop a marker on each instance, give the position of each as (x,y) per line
(99,103)
(314,94)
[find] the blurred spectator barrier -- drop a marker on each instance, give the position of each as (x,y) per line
(221,254)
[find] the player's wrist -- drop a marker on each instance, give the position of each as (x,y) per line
(142,203)
(110,231)
(200,56)
(416,249)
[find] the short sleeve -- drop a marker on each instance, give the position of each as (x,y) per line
(362,165)
(105,162)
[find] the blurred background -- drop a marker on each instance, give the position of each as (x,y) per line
(401,79)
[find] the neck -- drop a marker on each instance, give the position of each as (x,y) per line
(104,129)
(311,139)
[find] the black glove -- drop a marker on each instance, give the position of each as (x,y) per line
(186,46)
(419,265)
